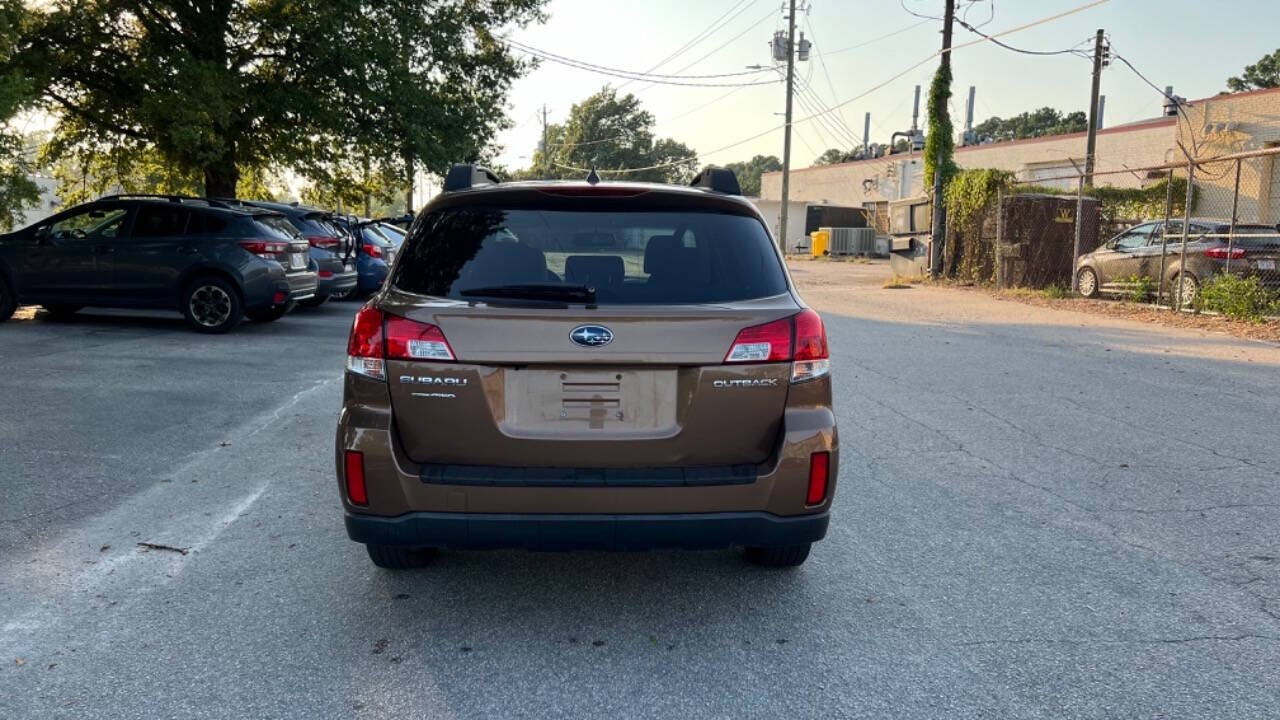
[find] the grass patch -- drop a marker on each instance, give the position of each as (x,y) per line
(1053,292)
(899,282)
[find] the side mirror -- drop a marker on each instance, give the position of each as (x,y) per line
(1112,244)
(43,234)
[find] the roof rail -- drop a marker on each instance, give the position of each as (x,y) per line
(212,202)
(717,179)
(463,176)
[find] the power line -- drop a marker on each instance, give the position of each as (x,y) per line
(839,117)
(720,47)
(702,35)
(868,91)
(886,36)
(619,72)
(1069,51)
(1177,104)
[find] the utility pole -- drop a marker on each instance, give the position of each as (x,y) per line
(546,149)
(939,217)
(1099,44)
(786,132)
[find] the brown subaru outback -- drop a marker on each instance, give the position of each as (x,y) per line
(564,365)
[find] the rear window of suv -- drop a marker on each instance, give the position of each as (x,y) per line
(628,257)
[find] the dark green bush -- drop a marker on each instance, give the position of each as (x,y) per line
(1243,298)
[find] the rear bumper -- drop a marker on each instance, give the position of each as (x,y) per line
(302,285)
(489,531)
(337,282)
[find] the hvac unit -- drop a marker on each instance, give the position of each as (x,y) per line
(853,241)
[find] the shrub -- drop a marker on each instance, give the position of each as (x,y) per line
(1140,288)
(1056,291)
(1243,298)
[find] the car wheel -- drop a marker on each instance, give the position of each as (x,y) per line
(8,303)
(313,302)
(1189,287)
(270,314)
(784,556)
(62,311)
(398,557)
(1087,283)
(212,305)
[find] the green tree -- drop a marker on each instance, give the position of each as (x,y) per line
(831,157)
(749,172)
(609,132)
(1036,123)
(1263,74)
(220,88)
(17,191)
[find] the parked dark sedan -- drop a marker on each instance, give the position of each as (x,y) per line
(1123,262)
(214,263)
(332,254)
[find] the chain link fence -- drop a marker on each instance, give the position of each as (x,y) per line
(1202,234)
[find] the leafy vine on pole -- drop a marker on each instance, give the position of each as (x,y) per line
(941,136)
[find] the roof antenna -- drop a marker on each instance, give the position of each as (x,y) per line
(593,177)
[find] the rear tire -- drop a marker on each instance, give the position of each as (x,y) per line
(399,557)
(784,556)
(269,315)
(62,311)
(1087,283)
(8,303)
(211,305)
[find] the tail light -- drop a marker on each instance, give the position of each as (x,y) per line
(774,342)
(766,343)
(372,250)
(412,340)
(1222,253)
(353,465)
(324,242)
(324,274)
(812,358)
(376,337)
(268,249)
(364,347)
(819,471)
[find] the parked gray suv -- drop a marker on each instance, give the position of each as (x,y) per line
(213,263)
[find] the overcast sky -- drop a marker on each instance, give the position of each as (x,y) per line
(1193,45)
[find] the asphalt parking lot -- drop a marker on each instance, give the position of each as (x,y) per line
(1037,517)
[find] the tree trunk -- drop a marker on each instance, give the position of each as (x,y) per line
(408,193)
(221,176)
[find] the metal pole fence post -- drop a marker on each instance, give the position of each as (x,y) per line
(1235,209)
(1164,236)
(1075,253)
(1186,225)
(999,234)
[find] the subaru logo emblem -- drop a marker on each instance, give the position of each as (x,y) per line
(591,335)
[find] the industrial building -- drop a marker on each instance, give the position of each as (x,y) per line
(1209,127)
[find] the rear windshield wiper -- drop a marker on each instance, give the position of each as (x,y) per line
(536,291)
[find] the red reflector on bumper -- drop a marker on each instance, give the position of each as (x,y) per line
(325,274)
(819,463)
(279,298)
(354,467)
